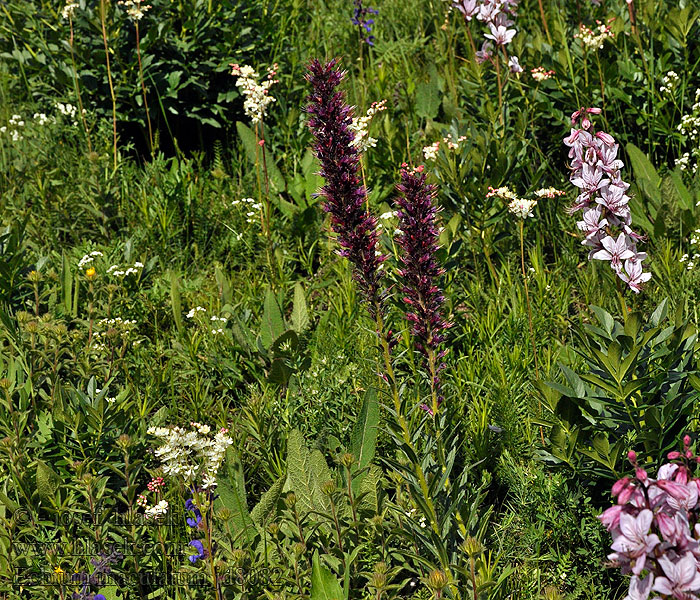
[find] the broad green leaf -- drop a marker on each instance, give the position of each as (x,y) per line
(267,507)
(224,286)
(272,320)
(324,585)
(232,495)
(642,165)
(363,438)
(605,318)
(47,482)
(427,100)
(175,300)
(300,314)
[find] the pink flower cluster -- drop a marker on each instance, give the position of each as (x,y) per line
(496,14)
(604,200)
(655,529)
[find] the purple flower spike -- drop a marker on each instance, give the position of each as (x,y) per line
(343,192)
(420,272)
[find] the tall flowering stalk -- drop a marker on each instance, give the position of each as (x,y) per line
(356,229)
(136,9)
(103,22)
(257,99)
(420,273)
(67,13)
(607,220)
(656,528)
(344,194)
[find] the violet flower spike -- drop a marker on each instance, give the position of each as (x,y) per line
(420,272)
(343,193)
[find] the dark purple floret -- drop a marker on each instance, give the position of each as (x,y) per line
(420,271)
(343,192)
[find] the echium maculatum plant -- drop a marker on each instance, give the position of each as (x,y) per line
(655,527)
(607,220)
(420,272)
(344,194)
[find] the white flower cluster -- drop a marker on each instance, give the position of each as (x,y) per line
(250,215)
(15,123)
(669,83)
(112,328)
(522,208)
(194,311)
(388,216)
(688,259)
(88,258)
(69,111)
(214,320)
(594,39)
(690,128)
(257,95)
(191,454)
(411,514)
(360,127)
(42,119)
(135,9)
(157,511)
(118,271)
(69,9)
(430,152)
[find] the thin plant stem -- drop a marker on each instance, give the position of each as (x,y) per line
(544,22)
(143,88)
(527,297)
(109,78)
(77,85)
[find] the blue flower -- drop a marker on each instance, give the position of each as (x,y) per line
(99,597)
(201,552)
(192,507)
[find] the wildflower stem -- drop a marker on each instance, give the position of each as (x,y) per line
(527,297)
(103,17)
(77,85)
(544,22)
(143,87)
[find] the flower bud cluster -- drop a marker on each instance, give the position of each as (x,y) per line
(69,9)
(669,83)
(655,528)
(594,39)
(604,200)
(540,74)
(135,9)
(257,95)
